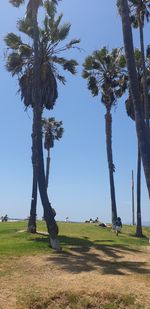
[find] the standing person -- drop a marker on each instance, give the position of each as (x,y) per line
(118,225)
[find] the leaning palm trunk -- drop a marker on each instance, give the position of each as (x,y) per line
(49,213)
(108,124)
(139,223)
(141,128)
(47,167)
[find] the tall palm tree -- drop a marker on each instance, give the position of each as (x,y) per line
(52,131)
(104,74)
(36,68)
(130,112)
(139,11)
(141,128)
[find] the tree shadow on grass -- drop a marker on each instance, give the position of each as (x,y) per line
(85,255)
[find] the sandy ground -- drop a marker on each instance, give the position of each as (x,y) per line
(80,270)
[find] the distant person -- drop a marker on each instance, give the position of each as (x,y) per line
(5,218)
(118,225)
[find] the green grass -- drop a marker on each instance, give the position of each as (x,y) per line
(84,235)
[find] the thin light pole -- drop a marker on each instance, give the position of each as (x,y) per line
(133,221)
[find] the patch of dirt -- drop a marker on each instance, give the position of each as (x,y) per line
(83,271)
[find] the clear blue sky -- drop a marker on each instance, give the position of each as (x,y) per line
(79,183)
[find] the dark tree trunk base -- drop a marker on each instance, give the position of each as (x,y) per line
(31,226)
(53,232)
(31,229)
(139,235)
(54,243)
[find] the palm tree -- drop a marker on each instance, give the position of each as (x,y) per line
(139,11)
(104,74)
(52,131)
(141,128)
(36,68)
(130,112)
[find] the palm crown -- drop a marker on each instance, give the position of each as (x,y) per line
(139,11)
(20,56)
(52,130)
(104,71)
(139,69)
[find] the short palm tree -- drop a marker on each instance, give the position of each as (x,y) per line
(141,128)
(52,131)
(105,76)
(37,70)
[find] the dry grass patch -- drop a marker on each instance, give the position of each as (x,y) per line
(69,300)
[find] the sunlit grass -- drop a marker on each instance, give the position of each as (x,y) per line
(15,241)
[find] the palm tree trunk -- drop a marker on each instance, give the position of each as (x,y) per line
(139,223)
(32,218)
(141,128)
(47,167)
(108,125)
(49,213)
(145,91)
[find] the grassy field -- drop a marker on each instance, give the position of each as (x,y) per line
(95,270)
(14,240)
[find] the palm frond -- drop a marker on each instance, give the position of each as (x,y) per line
(85,74)
(16,3)
(25,26)
(92,85)
(14,63)
(58,21)
(59,33)
(101,54)
(70,66)
(59,60)
(61,79)
(73,42)
(12,40)
(63,31)
(50,7)
(49,92)
(25,84)
(122,61)
(88,63)
(25,51)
